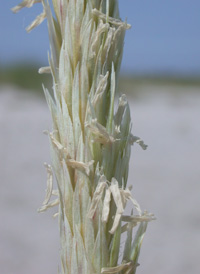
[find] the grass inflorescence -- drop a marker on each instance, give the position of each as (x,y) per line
(91,138)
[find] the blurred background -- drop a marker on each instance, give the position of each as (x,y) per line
(161,76)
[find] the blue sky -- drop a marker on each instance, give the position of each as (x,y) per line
(164,38)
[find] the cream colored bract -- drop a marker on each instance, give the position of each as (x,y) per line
(90,140)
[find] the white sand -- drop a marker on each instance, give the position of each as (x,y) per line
(166,181)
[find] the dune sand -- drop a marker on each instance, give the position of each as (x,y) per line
(166,181)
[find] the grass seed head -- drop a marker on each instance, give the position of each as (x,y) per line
(90,141)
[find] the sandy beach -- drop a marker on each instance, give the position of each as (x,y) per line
(165,178)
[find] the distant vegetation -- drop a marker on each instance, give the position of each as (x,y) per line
(26,77)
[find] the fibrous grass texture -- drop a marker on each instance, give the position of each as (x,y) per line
(91,138)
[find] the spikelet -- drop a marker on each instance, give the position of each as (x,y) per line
(91,140)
